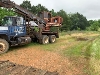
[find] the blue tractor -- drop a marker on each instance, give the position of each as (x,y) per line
(12,33)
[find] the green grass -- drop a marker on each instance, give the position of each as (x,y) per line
(89,50)
(95,48)
(75,50)
(95,57)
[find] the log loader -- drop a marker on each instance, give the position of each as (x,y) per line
(20,30)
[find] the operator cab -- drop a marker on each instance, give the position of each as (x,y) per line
(13,21)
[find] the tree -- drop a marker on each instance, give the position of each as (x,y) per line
(91,22)
(5,12)
(78,21)
(34,9)
(26,4)
(66,20)
(40,8)
(94,25)
(53,12)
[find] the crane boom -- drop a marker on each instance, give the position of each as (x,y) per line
(20,10)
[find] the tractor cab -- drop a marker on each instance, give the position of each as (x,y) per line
(13,26)
(13,21)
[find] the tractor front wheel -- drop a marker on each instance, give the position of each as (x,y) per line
(4,46)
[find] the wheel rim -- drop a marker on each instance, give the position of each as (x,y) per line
(2,47)
(53,39)
(46,40)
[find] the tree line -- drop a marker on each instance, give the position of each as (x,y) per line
(71,21)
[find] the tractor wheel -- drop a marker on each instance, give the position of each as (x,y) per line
(45,39)
(4,46)
(52,38)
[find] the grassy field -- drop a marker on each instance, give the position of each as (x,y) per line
(80,48)
(87,46)
(95,57)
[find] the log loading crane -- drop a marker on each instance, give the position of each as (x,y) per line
(27,28)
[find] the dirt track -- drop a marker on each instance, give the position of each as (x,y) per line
(44,60)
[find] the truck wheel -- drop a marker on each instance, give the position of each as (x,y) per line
(45,39)
(4,46)
(52,38)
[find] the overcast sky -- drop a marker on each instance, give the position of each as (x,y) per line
(89,8)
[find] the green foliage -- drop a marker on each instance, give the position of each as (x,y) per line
(5,12)
(40,8)
(53,12)
(95,56)
(66,20)
(34,9)
(78,22)
(54,29)
(95,48)
(36,29)
(94,25)
(26,4)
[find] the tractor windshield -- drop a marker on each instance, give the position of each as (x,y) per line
(12,21)
(7,21)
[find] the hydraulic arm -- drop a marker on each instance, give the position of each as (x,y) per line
(28,15)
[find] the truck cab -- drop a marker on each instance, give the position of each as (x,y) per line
(13,26)
(12,33)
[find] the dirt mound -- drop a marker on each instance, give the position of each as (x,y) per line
(9,68)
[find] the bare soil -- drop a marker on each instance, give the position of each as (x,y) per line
(9,68)
(43,60)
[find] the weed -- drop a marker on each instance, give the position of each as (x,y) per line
(95,56)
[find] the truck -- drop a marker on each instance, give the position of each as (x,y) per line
(27,28)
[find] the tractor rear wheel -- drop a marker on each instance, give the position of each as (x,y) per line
(45,39)
(52,38)
(4,46)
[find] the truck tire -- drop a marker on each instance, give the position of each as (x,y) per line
(52,38)
(45,39)
(4,46)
